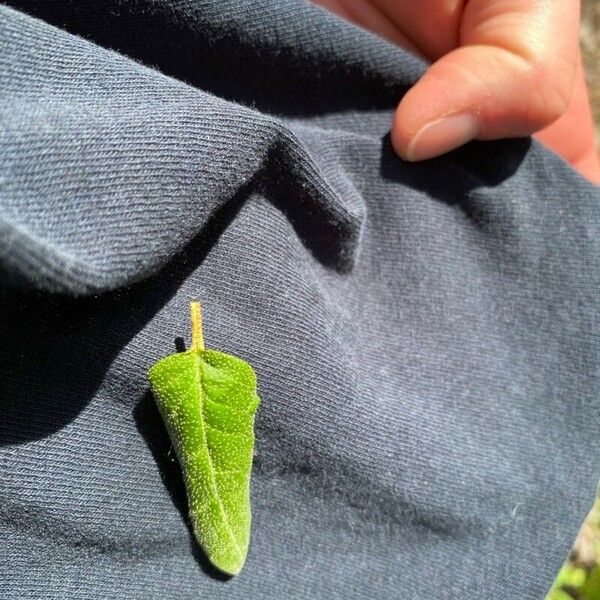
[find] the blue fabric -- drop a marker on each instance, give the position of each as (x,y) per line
(425,335)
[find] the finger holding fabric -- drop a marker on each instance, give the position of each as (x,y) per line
(500,68)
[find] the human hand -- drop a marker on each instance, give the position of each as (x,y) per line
(500,68)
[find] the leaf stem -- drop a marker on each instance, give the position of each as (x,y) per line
(197,337)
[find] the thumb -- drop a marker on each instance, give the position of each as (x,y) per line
(512,74)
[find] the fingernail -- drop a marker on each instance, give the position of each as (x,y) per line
(441,136)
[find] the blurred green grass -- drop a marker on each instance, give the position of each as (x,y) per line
(579,577)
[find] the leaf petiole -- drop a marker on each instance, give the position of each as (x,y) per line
(197,336)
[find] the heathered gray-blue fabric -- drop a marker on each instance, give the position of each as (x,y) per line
(425,335)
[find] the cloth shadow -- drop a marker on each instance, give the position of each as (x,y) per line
(477,164)
(176,41)
(60,347)
(63,340)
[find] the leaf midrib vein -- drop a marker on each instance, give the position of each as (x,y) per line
(211,467)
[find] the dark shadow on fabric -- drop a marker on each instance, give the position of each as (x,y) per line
(333,242)
(71,342)
(65,338)
(151,428)
(213,54)
(180,344)
(476,164)
(376,500)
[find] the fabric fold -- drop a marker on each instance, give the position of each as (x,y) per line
(424,335)
(144,146)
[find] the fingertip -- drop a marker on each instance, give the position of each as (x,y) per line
(399,139)
(432,137)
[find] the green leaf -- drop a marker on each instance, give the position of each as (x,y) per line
(590,590)
(571,576)
(207,400)
(558,594)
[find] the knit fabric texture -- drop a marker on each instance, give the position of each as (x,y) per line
(425,335)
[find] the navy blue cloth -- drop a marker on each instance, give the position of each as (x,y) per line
(425,335)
